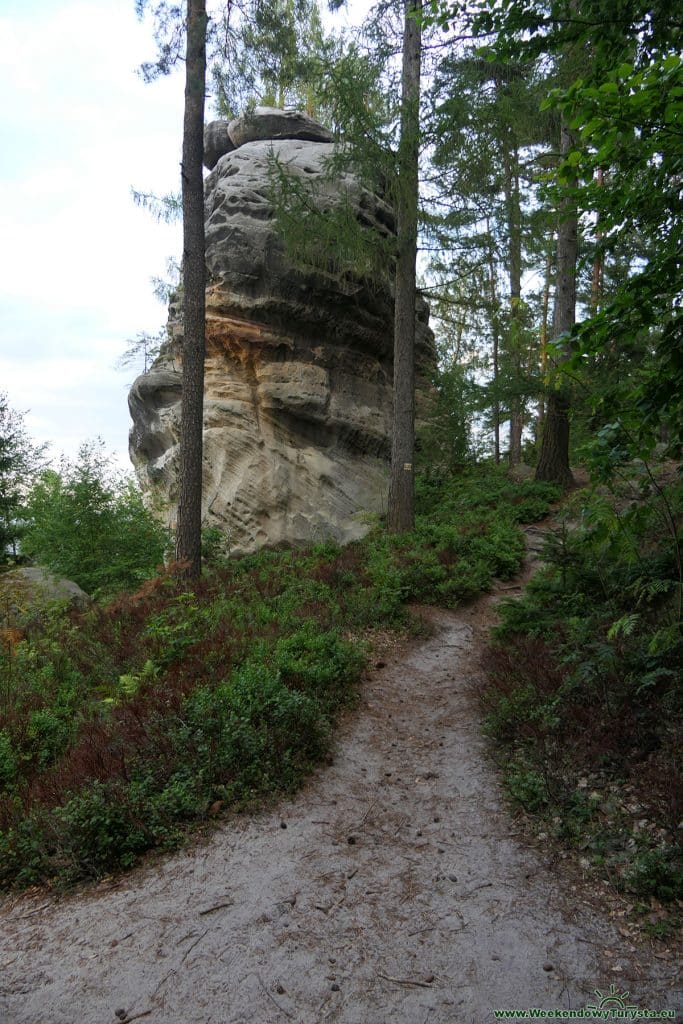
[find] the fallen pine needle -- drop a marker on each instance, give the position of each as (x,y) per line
(218,906)
(406,981)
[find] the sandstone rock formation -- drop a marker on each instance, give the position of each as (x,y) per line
(266,123)
(217,143)
(299,360)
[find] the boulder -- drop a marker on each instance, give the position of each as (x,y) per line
(217,143)
(299,368)
(521,472)
(264,123)
(26,593)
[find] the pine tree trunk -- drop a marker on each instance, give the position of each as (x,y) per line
(401,513)
(514,226)
(553,463)
(496,404)
(516,431)
(495,330)
(188,531)
(596,283)
(544,338)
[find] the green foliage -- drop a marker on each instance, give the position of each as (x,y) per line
(527,786)
(96,833)
(215,547)
(89,524)
(444,440)
(626,123)
(464,536)
(142,350)
(324,233)
(620,78)
(656,872)
(20,461)
(446,498)
(8,761)
(486,220)
(270,53)
(310,660)
(323,220)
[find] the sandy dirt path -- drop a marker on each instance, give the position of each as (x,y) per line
(398,893)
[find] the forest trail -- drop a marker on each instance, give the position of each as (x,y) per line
(399,891)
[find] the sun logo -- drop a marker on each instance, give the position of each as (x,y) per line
(611,1001)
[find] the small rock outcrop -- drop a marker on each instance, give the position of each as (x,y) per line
(217,143)
(26,593)
(298,386)
(268,123)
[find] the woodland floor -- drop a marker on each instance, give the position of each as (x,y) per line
(396,888)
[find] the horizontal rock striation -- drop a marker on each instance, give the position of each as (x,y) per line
(299,360)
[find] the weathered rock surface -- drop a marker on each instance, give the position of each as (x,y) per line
(25,594)
(265,123)
(217,143)
(298,368)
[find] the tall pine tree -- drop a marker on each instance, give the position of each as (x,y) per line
(401,511)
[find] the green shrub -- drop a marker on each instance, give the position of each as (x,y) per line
(656,872)
(321,663)
(96,832)
(24,850)
(527,786)
(8,761)
(88,523)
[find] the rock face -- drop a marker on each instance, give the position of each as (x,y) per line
(268,123)
(217,143)
(298,368)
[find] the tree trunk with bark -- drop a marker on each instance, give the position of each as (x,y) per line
(553,463)
(495,333)
(544,336)
(516,431)
(514,226)
(401,513)
(188,530)
(597,278)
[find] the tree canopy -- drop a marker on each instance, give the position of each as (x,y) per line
(21,459)
(621,96)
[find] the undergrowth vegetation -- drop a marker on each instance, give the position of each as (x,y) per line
(584,693)
(121,725)
(88,522)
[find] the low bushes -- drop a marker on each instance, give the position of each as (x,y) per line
(585,690)
(122,725)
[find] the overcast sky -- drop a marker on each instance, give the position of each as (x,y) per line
(78,128)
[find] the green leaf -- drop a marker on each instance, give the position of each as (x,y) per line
(623,626)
